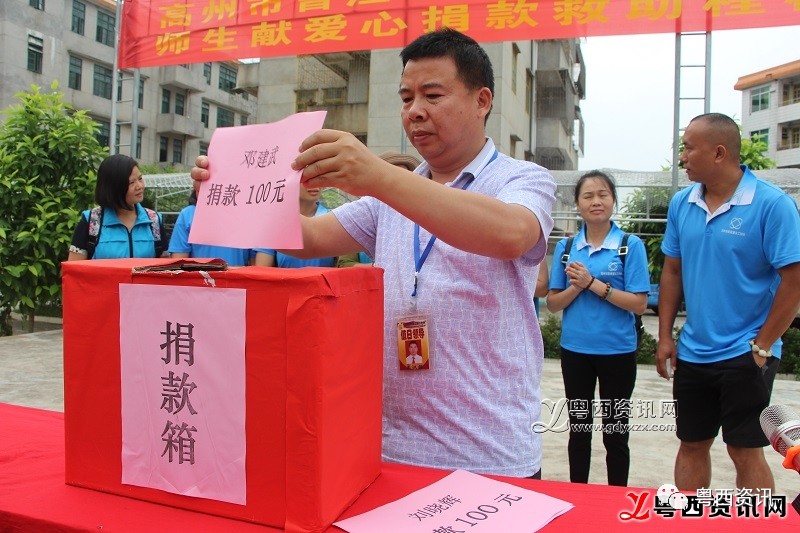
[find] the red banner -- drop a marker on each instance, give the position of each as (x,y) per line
(169,32)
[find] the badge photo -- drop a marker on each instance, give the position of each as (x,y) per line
(413,347)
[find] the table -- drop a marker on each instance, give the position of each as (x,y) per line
(34,497)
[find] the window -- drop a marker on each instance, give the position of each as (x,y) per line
(103,133)
(105,28)
(75,68)
(141,94)
(227,78)
(550,103)
(224,117)
(514,62)
(790,137)
(203,148)
(243,120)
(759,99)
(37,4)
(138,143)
(791,93)
(306,98)
(78,16)
(204,113)
(163,144)
(207,72)
(166,96)
(119,85)
(117,135)
(102,82)
(35,53)
(552,162)
(763,136)
(528,90)
(180,103)
(333,95)
(177,151)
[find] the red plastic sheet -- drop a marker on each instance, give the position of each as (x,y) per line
(33,496)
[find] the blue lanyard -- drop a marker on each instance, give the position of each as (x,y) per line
(419,259)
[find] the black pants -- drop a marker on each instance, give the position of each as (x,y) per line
(617,376)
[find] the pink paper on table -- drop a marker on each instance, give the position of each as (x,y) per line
(251,199)
(462,501)
(183,390)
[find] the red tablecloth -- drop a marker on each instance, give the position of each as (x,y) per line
(34,497)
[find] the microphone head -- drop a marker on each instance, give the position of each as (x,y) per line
(781,425)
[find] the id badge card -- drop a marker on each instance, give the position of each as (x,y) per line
(413,342)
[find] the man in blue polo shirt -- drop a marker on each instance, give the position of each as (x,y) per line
(732,249)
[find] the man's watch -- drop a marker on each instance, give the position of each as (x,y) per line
(766,354)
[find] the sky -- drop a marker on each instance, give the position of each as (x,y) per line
(628,110)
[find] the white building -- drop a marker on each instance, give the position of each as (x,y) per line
(771,109)
(72,42)
(536,112)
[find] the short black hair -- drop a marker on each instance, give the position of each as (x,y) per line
(726,131)
(596,174)
(472,62)
(112,181)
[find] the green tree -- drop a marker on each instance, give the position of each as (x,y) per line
(753,154)
(645,213)
(48,158)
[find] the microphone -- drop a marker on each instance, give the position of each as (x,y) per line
(781,425)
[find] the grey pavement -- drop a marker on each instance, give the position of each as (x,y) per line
(31,374)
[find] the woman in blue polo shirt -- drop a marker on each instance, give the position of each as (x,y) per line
(599,285)
(120,226)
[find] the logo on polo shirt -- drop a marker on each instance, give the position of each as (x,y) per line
(614,268)
(735,225)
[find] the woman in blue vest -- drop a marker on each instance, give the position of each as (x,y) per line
(120,226)
(599,285)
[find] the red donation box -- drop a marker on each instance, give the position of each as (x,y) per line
(313,349)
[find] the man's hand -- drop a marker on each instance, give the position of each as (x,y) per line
(199,171)
(666,351)
(331,158)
